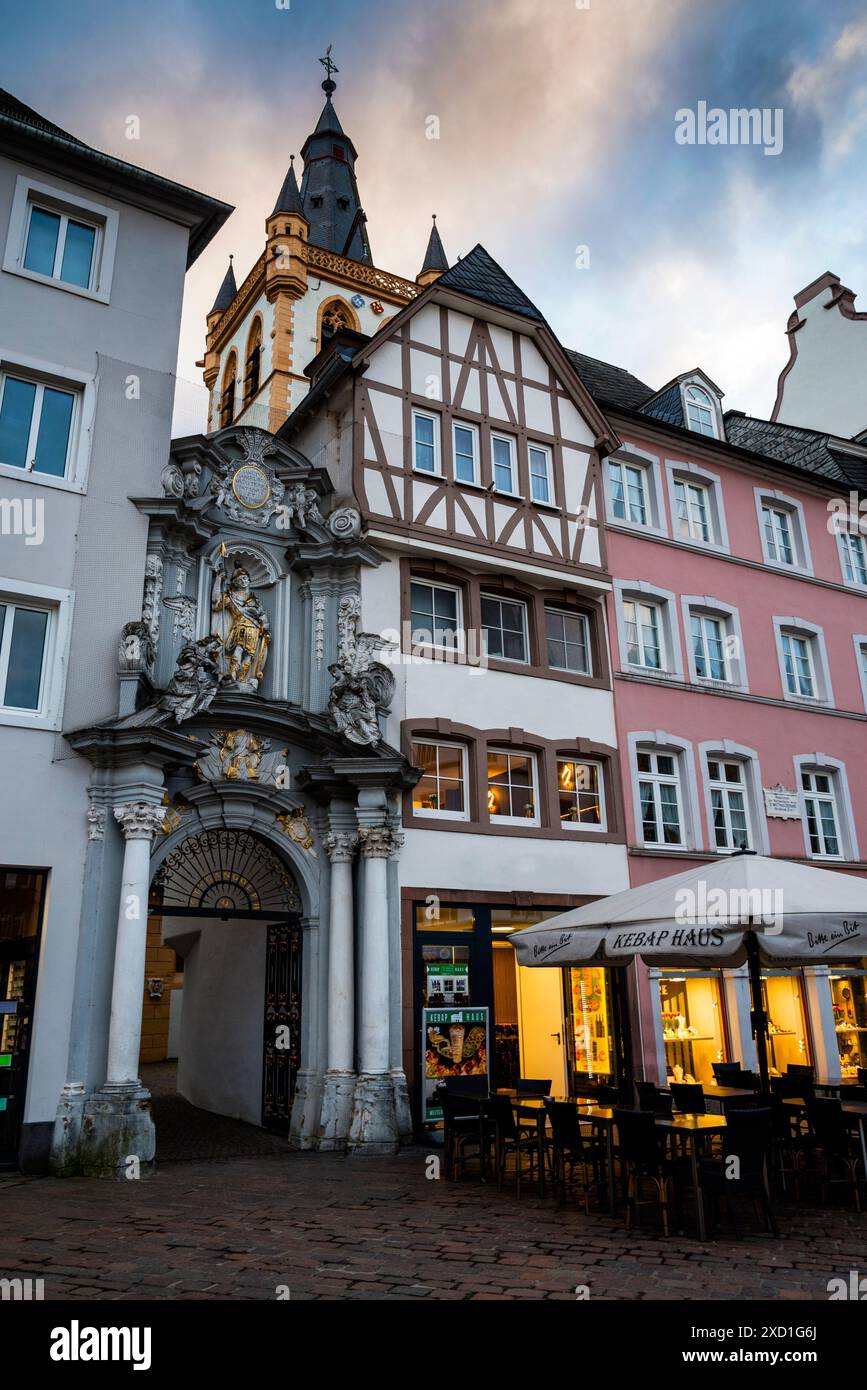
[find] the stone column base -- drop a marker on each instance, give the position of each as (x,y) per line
(402,1109)
(66,1143)
(304,1121)
(118,1138)
(374,1123)
(335,1119)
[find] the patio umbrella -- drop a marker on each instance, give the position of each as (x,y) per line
(745,907)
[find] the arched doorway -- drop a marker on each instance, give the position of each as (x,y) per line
(229,908)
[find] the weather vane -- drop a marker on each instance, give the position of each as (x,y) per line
(330,66)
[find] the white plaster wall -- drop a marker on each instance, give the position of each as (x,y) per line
(505,864)
(306,319)
(221,1043)
(827,386)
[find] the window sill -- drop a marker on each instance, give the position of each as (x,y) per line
(25,475)
(20,719)
(97,296)
(780,567)
(692,543)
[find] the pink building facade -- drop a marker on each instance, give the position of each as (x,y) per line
(737,629)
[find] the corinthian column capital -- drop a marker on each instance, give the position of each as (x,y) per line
(139,820)
(379,841)
(340,846)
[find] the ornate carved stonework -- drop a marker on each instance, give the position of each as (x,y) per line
(173,816)
(340,846)
(153,584)
(319,631)
(296,827)
(362,686)
(184,609)
(379,841)
(139,820)
(240,626)
(345,524)
(237,755)
(135,651)
(300,507)
(249,492)
(96,820)
(196,680)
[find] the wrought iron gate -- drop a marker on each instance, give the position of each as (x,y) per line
(282,1024)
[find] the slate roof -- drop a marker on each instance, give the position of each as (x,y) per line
(329,192)
(19,111)
(227,291)
(479,275)
(668,407)
(607,384)
(801,448)
(434,256)
(289,198)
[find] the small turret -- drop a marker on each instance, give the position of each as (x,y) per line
(435,261)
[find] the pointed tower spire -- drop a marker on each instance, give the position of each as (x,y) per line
(435,261)
(289,198)
(227,291)
(329,192)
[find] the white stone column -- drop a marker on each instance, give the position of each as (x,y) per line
(374,1125)
(140,821)
(339,1089)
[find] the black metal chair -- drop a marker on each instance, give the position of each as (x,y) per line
(461,1130)
(688,1098)
(533,1088)
(644,1159)
(569,1148)
(862,1076)
(650,1097)
(510,1137)
(741,1172)
(722,1070)
(744,1081)
(787,1086)
(475,1085)
(833,1146)
(800,1069)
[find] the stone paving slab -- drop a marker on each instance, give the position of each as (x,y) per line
(330,1227)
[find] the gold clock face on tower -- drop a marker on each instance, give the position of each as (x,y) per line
(251,486)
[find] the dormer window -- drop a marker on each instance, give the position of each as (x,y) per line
(701,415)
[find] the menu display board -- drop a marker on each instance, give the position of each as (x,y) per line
(447,984)
(454,1044)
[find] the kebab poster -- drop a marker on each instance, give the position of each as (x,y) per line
(454,1045)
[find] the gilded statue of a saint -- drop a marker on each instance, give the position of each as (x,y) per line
(242,625)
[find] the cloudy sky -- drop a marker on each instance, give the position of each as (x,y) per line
(556,124)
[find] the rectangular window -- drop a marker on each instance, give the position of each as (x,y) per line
(798,665)
(60,247)
(628,497)
(426,442)
(728,803)
(23,633)
(579,788)
(820,805)
(659,794)
(708,645)
(568,645)
(503,448)
(778,535)
(35,426)
(512,786)
(441,790)
(504,628)
(693,510)
(540,474)
(854,558)
(643,647)
(434,615)
(466,448)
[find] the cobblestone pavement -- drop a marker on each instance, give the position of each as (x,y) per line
(363,1228)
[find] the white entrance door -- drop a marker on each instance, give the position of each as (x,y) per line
(542,1026)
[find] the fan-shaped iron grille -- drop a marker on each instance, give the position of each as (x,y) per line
(224,871)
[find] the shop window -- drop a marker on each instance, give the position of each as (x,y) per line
(512,787)
(693,1030)
(788,1035)
(590,1023)
(849,1002)
(579,790)
(435,916)
(442,788)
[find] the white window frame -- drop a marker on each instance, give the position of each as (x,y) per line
(705,606)
(639,591)
(782,502)
(725,750)
(691,475)
(847,530)
(513,454)
(859,641)
(549,474)
(504,598)
(534,769)
(459,611)
(582,618)
(571,825)
(430,814)
(815,638)
(59,603)
(434,418)
(83,387)
(835,769)
(656,780)
(712,406)
(659,741)
(473,430)
(31,193)
(631,456)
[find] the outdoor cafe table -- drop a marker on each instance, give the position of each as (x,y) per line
(691,1126)
(601,1115)
(855,1109)
(719,1092)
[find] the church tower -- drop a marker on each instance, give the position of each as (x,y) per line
(315,275)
